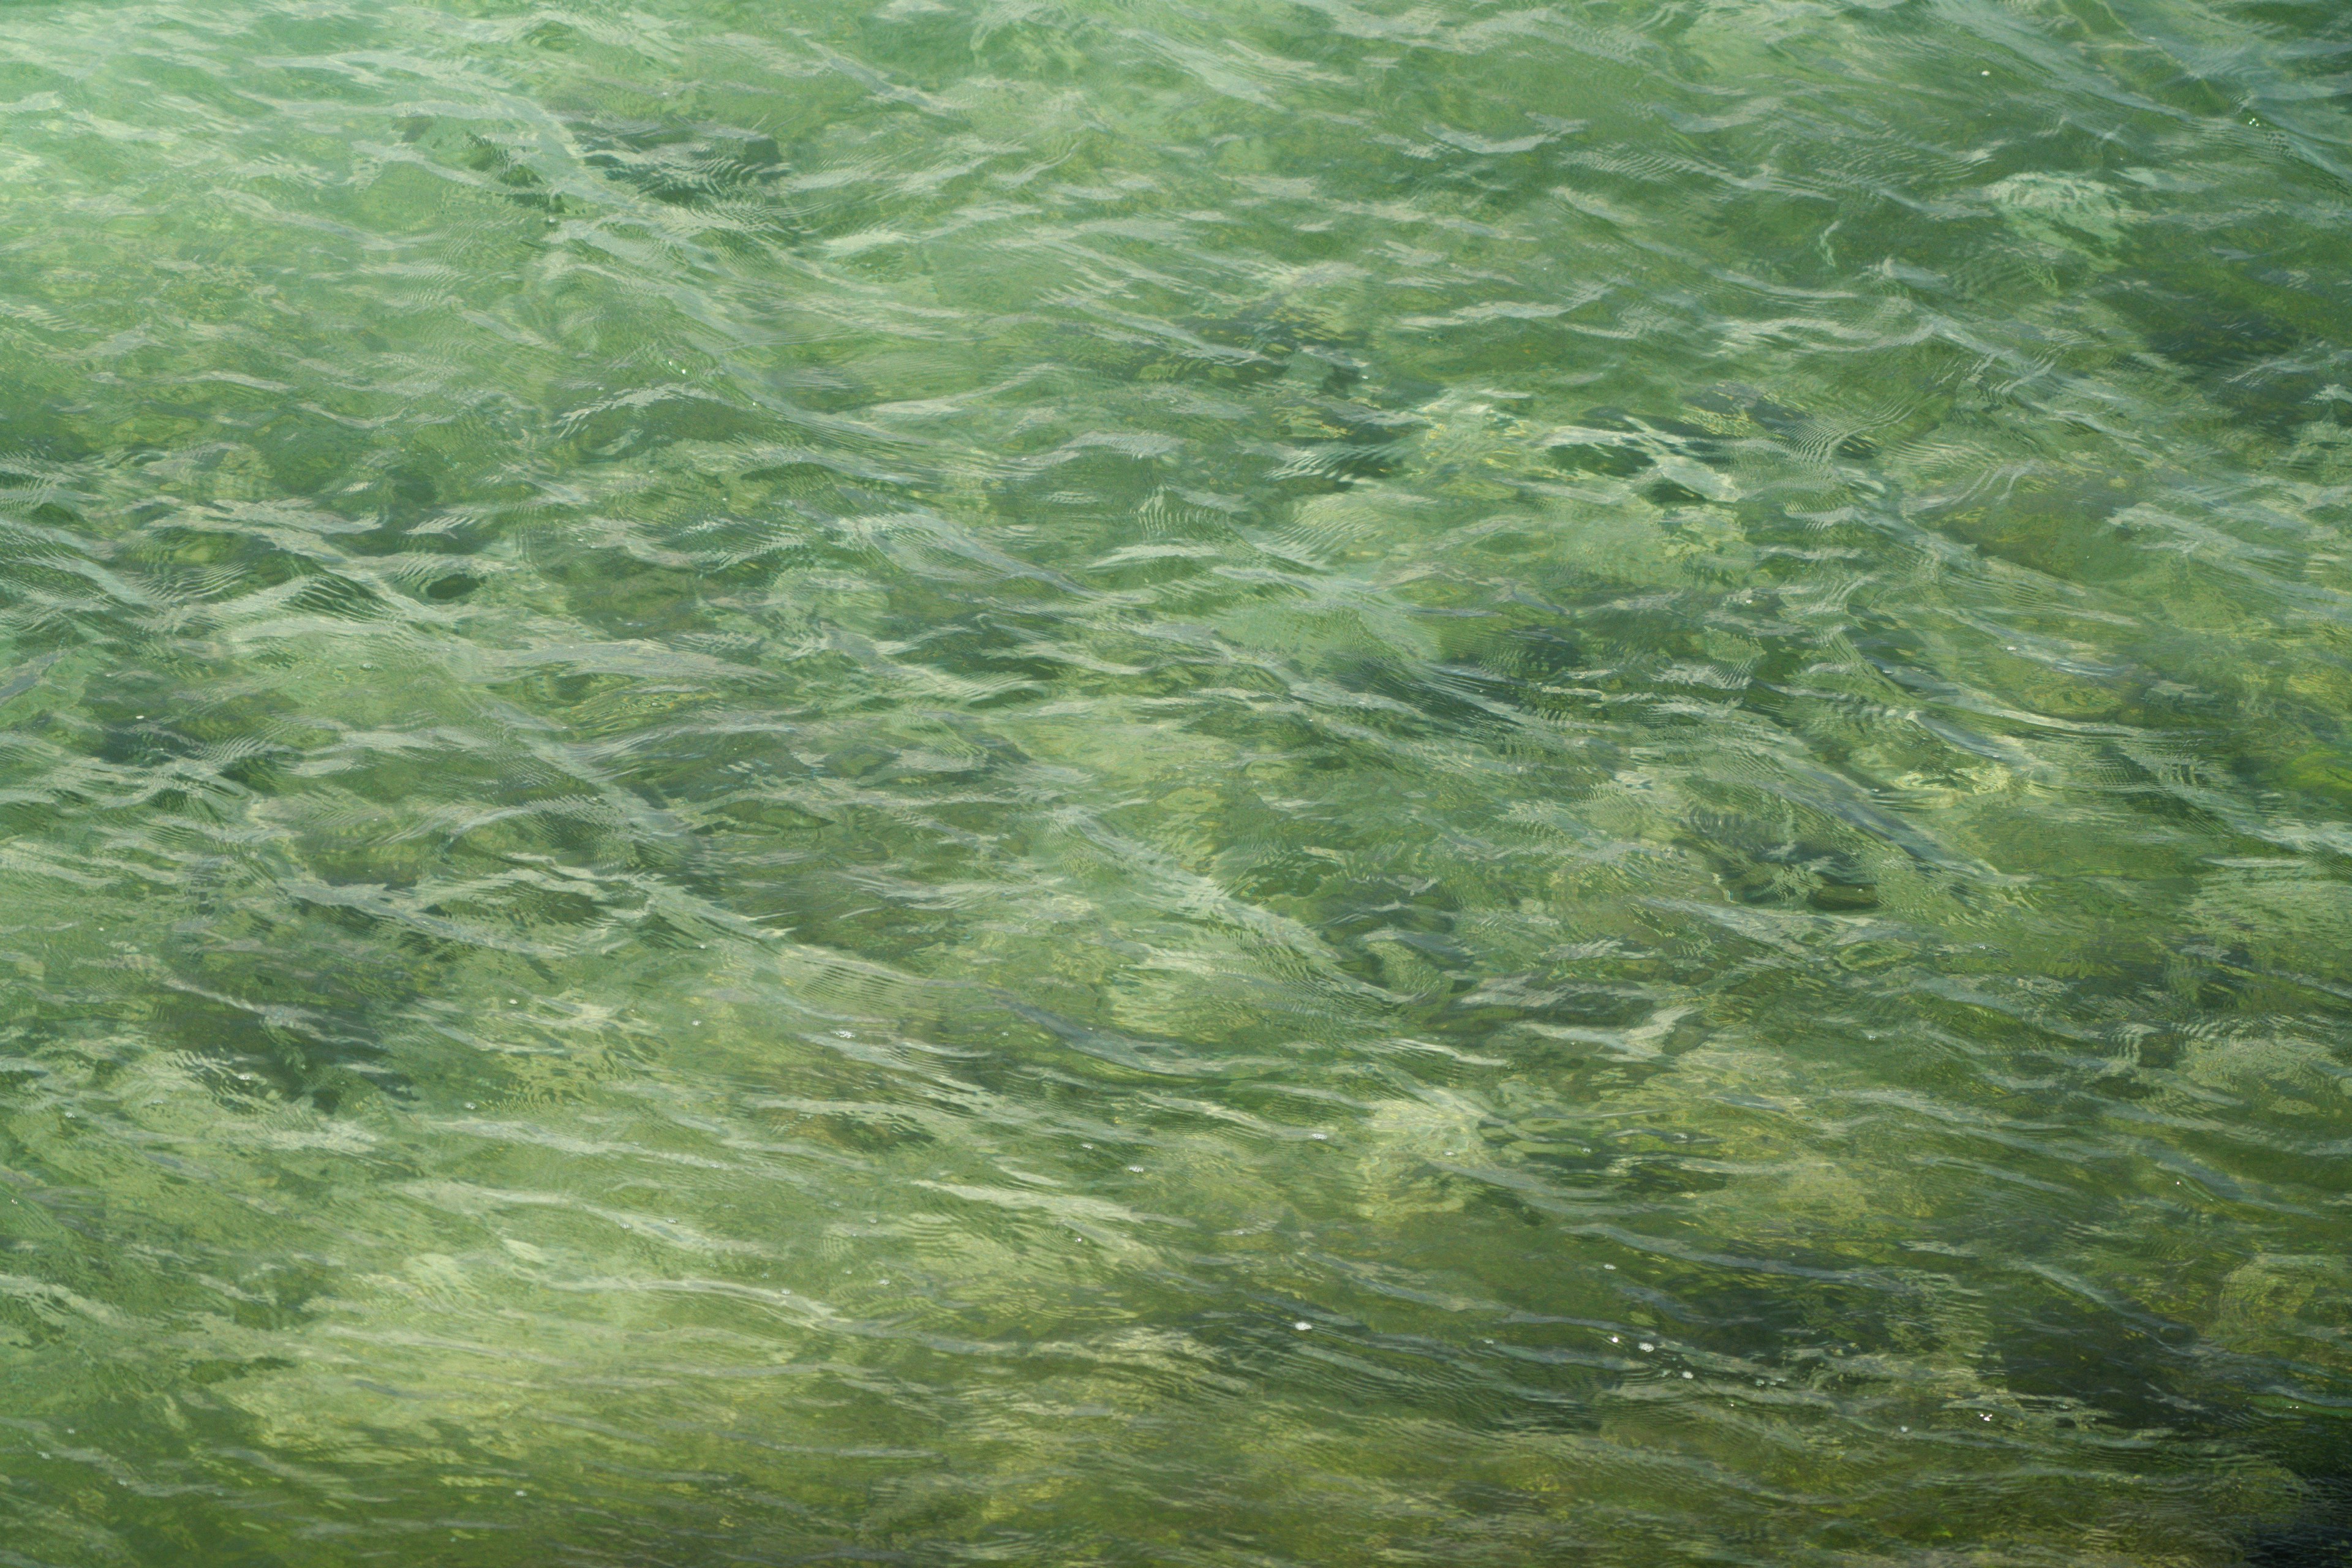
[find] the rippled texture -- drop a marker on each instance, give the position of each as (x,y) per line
(1207,782)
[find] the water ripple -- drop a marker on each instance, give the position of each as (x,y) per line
(1174,783)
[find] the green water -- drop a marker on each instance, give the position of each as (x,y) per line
(1225,781)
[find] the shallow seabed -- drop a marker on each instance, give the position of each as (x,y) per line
(1176,782)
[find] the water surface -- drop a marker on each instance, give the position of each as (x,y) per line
(1155,784)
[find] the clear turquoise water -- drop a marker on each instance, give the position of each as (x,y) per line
(1215,783)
